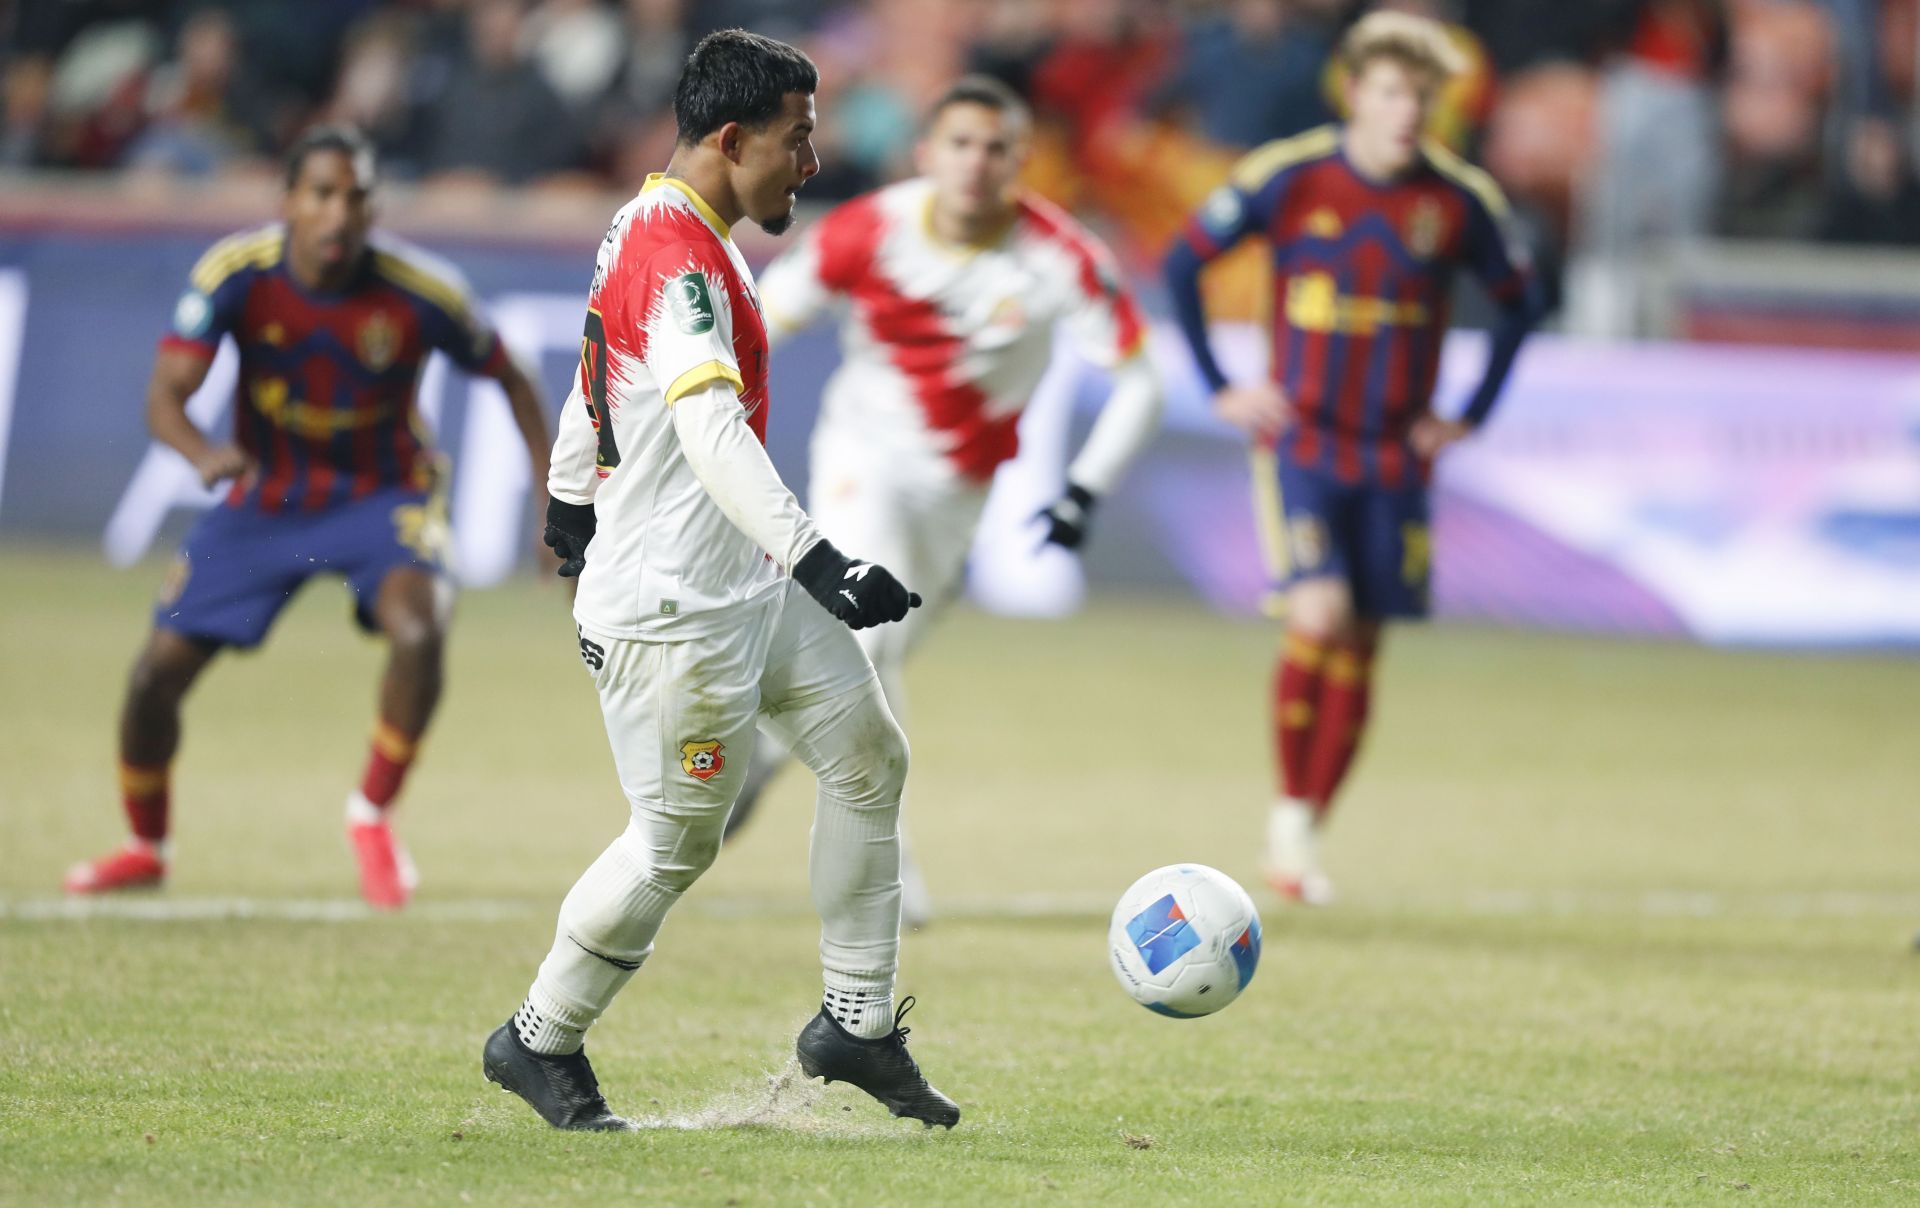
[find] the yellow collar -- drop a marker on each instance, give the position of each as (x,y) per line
(992,239)
(656,179)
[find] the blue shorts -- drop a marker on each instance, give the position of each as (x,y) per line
(239,566)
(1374,538)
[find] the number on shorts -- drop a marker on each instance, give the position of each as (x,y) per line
(1416,553)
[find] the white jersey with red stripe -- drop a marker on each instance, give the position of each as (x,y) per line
(942,345)
(672,310)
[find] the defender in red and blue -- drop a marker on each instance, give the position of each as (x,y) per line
(331,474)
(1368,227)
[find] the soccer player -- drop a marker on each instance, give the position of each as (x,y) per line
(950,287)
(1367,225)
(330,471)
(684,538)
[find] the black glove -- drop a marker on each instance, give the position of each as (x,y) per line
(569,528)
(1067,520)
(858,593)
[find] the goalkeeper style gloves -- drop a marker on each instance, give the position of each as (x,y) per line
(860,594)
(1067,519)
(569,528)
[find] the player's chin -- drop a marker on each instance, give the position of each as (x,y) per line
(779,223)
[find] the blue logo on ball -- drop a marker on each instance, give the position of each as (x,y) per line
(1162,934)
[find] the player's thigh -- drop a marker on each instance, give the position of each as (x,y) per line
(1311,522)
(680,716)
(393,548)
(1395,547)
(236,570)
(811,657)
(824,702)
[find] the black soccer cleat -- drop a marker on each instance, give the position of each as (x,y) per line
(561,1087)
(882,1067)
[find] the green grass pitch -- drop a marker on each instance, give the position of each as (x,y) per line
(1619,923)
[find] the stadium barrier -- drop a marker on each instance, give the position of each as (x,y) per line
(1725,494)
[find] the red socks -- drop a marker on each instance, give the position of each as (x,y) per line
(1296,710)
(1345,692)
(1320,696)
(388,759)
(144,793)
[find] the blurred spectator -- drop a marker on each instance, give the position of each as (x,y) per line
(1781,75)
(370,92)
(98,97)
(198,105)
(1109,57)
(1876,200)
(497,118)
(1251,72)
(577,45)
(1009,38)
(25,96)
(634,130)
(1660,159)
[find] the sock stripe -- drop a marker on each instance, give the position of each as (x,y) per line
(136,781)
(391,742)
(616,962)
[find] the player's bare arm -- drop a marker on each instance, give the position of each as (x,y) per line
(529,413)
(177,373)
(1257,408)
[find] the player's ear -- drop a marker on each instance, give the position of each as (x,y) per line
(728,138)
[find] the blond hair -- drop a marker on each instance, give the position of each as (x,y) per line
(1418,43)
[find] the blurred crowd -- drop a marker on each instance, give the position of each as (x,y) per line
(1614,123)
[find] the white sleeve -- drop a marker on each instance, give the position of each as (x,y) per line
(792,295)
(1127,423)
(730,463)
(573,474)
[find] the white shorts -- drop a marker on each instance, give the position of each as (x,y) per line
(918,528)
(680,715)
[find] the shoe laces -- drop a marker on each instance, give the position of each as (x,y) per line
(899,1034)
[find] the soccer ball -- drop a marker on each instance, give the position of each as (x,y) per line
(1184,940)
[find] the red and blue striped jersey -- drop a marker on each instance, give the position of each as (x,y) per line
(325,400)
(1363,274)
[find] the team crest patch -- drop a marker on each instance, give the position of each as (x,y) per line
(192,315)
(1323,223)
(1221,211)
(1425,226)
(692,306)
(702,760)
(378,342)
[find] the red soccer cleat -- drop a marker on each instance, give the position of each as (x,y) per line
(387,876)
(134,866)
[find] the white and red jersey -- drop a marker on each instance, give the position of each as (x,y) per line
(672,310)
(943,345)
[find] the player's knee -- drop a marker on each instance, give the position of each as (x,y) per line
(157,682)
(605,927)
(676,857)
(1320,612)
(873,771)
(417,638)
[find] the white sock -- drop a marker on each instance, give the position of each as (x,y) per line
(861,1005)
(361,812)
(159,849)
(1291,843)
(546,1026)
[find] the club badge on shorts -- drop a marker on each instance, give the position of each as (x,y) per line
(702,760)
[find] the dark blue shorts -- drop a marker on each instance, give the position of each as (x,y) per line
(1374,538)
(239,566)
